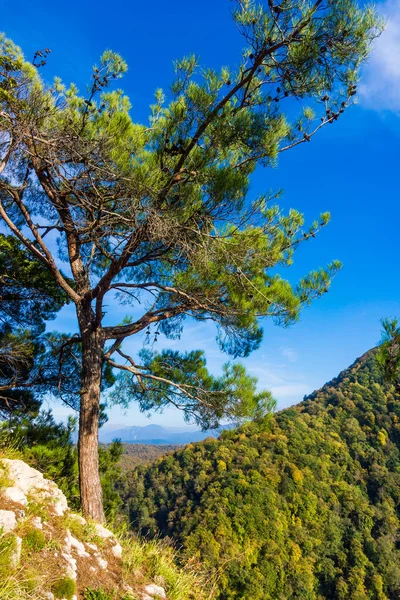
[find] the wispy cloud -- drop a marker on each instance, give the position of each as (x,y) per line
(379,88)
(286,386)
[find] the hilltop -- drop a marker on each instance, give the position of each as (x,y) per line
(304,504)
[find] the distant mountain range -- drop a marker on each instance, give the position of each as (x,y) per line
(154,434)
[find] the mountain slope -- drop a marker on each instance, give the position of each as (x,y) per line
(302,505)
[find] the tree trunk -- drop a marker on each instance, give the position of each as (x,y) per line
(88,443)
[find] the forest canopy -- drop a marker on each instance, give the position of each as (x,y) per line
(304,504)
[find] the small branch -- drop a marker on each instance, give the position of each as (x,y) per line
(122,331)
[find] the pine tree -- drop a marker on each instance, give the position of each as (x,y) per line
(159,214)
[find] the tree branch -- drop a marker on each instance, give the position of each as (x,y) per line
(59,203)
(122,331)
(45,258)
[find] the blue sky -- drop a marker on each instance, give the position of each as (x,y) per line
(350,169)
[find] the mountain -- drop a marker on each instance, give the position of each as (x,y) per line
(304,504)
(153,434)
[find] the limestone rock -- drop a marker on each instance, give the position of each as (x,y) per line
(73,543)
(24,476)
(30,481)
(102,532)
(71,570)
(117,550)
(28,485)
(103,564)
(37,522)
(15,495)
(154,591)
(128,589)
(92,546)
(78,518)
(8,522)
(16,555)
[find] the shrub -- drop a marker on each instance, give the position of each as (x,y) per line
(34,540)
(64,588)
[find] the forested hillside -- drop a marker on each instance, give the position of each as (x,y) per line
(304,504)
(140,454)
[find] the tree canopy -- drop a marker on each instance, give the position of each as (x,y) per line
(159,215)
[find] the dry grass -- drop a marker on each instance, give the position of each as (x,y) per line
(157,561)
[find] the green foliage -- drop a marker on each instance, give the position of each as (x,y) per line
(7,548)
(47,446)
(5,480)
(138,454)
(304,504)
(99,594)
(29,294)
(34,540)
(64,588)
(158,560)
(110,472)
(183,378)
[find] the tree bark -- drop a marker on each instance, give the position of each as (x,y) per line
(88,442)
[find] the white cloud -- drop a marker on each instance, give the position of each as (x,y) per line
(379,87)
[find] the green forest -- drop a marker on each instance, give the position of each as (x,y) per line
(303,504)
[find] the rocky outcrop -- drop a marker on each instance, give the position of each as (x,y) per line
(66,553)
(29,484)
